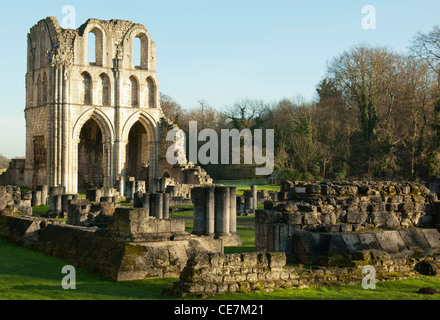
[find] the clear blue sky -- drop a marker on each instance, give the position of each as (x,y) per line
(218,51)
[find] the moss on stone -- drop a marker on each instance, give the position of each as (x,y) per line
(131,253)
(340,259)
(417,254)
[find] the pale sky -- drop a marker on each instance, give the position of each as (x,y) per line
(218,51)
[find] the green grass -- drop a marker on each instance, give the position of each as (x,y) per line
(187,214)
(390,290)
(33,275)
(267,187)
(126,204)
(27,274)
(37,211)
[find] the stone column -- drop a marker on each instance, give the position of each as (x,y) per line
(65,201)
(36,198)
(25,205)
(166,205)
(233,209)
(222,211)
(156,205)
(74,165)
(44,190)
(120,185)
(119,146)
(130,187)
(55,205)
(240,204)
(154,155)
(254,202)
(146,201)
(198,196)
(247,203)
(138,200)
(210,211)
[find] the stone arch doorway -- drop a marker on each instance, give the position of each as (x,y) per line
(138,153)
(90,157)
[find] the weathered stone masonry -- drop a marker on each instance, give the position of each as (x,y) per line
(134,246)
(313,210)
(207,274)
(95,123)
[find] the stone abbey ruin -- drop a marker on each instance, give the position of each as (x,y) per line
(94,124)
(97,129)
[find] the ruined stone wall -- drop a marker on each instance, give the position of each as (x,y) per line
(209,274)
(65,90)
(13,201)
(104,253)
(342,208)
(36,146)
(14,175)
(358,206)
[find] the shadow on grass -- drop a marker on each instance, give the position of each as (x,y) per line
(94,290)
(33,275)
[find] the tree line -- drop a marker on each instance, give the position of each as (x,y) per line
(376,116)
(4,162)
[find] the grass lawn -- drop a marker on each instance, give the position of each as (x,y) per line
(240,189)
(33,275)
(389,290)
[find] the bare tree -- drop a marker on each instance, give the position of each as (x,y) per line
(170,107)
(427,47)
(246,113)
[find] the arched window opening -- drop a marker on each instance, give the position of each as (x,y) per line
(44,89)
(43,49)
(39,90)
(134,91)
(140,51)
(87,88)
(151,89)
(138,152)
(90,157)
(91,48)
(136,52)
(95,47)
(105,89)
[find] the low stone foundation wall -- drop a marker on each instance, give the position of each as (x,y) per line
(209,274)
(102,252)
